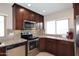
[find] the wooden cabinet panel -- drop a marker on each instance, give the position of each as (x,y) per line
(26,15)
(60,48)
(76,9)
(32,16)
(65,48)
(19,19)
(40,22)
(42,44)
(51,46)
(2,51)
(69,49)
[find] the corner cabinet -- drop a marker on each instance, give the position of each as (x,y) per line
(21,13)
(65,48)
(42,44)
(57,47)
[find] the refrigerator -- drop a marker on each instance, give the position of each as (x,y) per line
(77,31)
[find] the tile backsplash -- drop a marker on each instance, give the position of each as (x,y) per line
(17,33)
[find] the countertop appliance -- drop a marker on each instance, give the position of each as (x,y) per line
(32,43)
(29,25)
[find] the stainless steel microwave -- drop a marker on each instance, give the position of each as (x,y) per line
(29,25)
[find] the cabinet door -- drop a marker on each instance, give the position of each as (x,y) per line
(60,48)
(76,8)
(18,18)
(2,51)
(26,14)
(42,44)
(65,48)
(40,22)
(68,49)
(51,46)
(32,16)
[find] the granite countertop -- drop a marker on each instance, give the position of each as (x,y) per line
(11,40)
(58,38)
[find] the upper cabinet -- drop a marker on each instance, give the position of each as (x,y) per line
(21,13)
(76,9)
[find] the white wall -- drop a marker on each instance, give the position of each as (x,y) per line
(67,13)
(6,10)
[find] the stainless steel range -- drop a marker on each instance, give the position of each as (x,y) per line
(32,43)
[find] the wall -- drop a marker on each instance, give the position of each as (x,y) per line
(67,13)
(6,10)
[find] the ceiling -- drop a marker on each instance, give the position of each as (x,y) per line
(39,7)
(49,7)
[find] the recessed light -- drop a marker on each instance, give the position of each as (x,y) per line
(44,10)
(21,10)
(29,5)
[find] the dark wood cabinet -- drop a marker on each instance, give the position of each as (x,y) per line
(26,14)
(76,9)
(2,51)
(32,16)
(51,46)
(17,16)
(42,44)
(65,48)
(57,47)
(21,13)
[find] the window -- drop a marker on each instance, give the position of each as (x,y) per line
(1,26)
(59,27)
(62,26)
(50,27)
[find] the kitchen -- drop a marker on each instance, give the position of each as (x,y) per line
(34,34)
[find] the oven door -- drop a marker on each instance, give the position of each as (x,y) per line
(33,47)
(32,44)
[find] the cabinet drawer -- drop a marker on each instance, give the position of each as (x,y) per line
(65,42)
(51,40)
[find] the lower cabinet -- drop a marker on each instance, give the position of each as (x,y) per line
(65,48)
(51,46)
(58,47)
(42,44)
(2,51)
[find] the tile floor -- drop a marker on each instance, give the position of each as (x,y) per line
(44,54)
